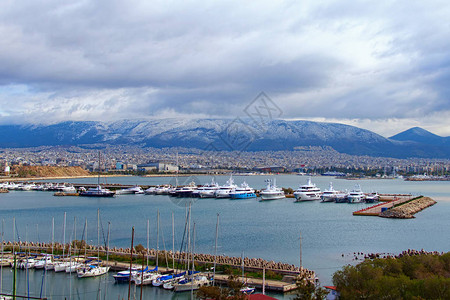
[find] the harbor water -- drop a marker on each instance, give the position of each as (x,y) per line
(269,230)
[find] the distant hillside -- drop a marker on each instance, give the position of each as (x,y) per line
(47,171)
(420,135)
(223,134)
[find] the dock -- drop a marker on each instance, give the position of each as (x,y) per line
(287,272)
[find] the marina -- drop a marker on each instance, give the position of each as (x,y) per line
(328,239)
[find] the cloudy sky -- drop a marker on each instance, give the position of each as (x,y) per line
(380,65)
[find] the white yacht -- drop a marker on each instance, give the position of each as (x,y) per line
(225,190)
(68,189)
(271,192)
(163,190)
(243,192)
(131,190)
(356,195)
(97,192)
(208,190)
(307,192)
(372,197)
(330,195)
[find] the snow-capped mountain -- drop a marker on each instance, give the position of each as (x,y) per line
(218,134)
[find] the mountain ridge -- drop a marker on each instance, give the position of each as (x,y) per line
(227,134)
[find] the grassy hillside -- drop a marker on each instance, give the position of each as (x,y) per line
(48,171)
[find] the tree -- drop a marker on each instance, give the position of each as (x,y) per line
(309,290)
(232,292)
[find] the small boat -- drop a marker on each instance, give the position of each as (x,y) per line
(146,278)
(191,284)
(124,276)
(247,290)
(243,192)
(271,192)
(41,263)
(160,280)
(170,284)
(307,192)
(356,195)
(97,192)
(91,271)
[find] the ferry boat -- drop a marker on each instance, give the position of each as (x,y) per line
(271,192)
(356,195)
(307,192)
(243,192)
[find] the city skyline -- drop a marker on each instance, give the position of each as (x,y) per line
(373,66)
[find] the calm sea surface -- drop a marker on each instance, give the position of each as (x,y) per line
(269,230)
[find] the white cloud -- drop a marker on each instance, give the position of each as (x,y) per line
(343,60)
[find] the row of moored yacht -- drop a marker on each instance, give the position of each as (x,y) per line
(60,187)
(310,192)
(214,190)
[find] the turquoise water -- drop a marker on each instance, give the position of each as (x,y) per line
(270,230)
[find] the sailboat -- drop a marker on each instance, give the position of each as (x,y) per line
(94,269)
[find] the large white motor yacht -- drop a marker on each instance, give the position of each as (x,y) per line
(307,192)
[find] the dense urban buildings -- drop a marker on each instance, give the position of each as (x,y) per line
(153,160)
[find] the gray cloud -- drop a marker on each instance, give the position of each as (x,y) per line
(107,60)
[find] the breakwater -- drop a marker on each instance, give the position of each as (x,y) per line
(407,209)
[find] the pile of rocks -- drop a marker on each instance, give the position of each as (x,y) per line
(408,209)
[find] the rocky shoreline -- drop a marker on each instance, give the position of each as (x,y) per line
(408,209)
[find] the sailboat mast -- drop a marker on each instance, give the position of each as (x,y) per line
(157,238)
(99,160)
(1,266)
(131,263)
(173,243)
(148,237)
(193,263)
(215,250)
(107,247)
(53,234)
(64,234)
(98,234)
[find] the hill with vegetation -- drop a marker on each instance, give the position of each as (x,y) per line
(411,275)
(48,171)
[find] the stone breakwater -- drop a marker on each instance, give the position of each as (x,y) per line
(181,257)
(408,209)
